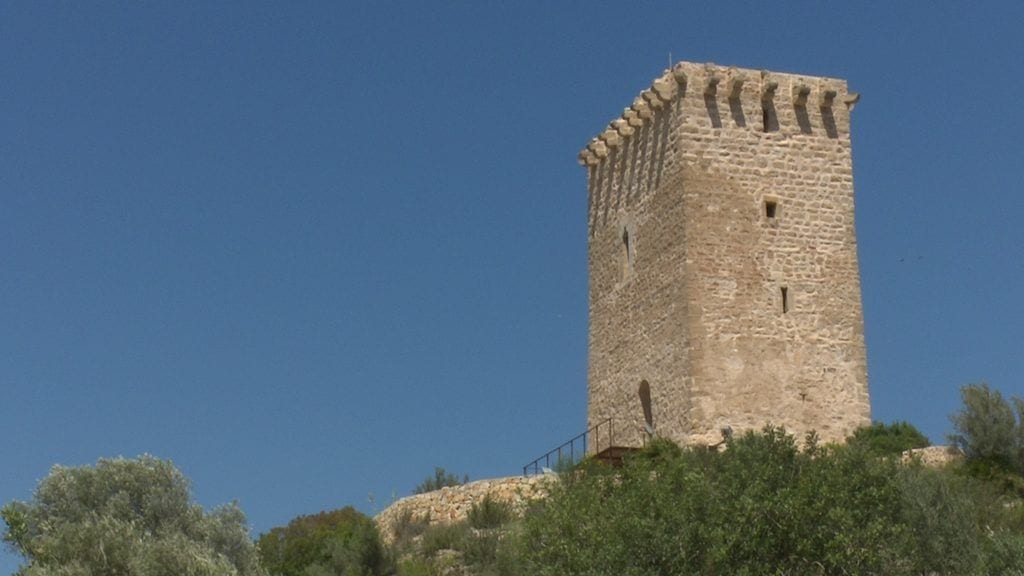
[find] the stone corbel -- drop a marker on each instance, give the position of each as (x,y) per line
(611,137)
(851,100)
(633,118)
(642,108)
(736,86)
(679,74)
(711,87)
(598,148)
(587,157)
(800,94)
(621,125)
(665,88)
(652,99)
(768,90)
(827,98)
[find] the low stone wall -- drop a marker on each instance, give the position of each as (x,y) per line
(934,456)
(452,504)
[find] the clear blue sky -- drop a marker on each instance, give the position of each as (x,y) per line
(309,251)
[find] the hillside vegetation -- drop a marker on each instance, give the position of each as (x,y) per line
(767,504)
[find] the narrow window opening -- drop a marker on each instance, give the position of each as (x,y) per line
(645,403)
(769,121)
(770,208)
(627,253)
(785,299)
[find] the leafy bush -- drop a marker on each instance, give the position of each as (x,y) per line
(480,549)
(341,541)
(994,473)
(411,566)
(440,479)
(988,429)
(489,513)
(444,537)
(406,528)
(1005,554)
(940,512)
(888,439)
(482,552)
(763,506)
(126,516)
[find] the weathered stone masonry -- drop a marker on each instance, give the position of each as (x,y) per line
(453,503)
(723,259)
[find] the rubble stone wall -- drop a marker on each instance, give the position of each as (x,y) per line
(452,504)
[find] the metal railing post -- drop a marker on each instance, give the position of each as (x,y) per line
(570,446)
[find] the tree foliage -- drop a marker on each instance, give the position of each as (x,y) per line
(988,429)
(339,542)
(126,516)
(765,506)
(893,439)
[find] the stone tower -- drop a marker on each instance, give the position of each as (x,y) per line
(724,289)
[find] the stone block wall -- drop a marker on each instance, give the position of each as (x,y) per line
(452,504)
(723,260)
(933,456)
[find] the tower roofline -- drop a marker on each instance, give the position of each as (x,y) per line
(713,82)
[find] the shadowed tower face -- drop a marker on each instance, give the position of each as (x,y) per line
(724,287)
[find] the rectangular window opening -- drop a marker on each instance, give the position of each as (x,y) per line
(627,254)
(770,207)
(785,299)
(768,121)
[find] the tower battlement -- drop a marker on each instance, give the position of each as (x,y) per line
(752,97)
(722,258)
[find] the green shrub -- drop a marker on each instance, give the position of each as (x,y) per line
(1005,554)
(406,528)
(508,558)
(940,512)
(659,449)
(764,506)
(480,549)
(481,552)
(988,429)
(888,439)
(444,537)
(341,541)
(440,479)
(489,513)
(995,473)
(415,567)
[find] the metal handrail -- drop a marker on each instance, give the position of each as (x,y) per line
(570,447)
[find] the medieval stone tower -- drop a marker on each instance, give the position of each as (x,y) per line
(724,288)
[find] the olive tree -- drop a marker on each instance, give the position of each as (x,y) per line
(989,428)
(126,516)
